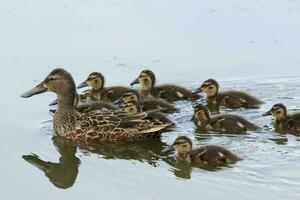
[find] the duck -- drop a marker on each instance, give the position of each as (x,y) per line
(214,155)
(231,99)
(170,93)
(155,115)
(96,82)
(88,106)
(283,120)
(222,122)
(148,103)
(97,126)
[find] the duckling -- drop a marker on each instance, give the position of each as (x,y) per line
(148,103)
(221,123)
(207,154)
(97,126)
(171,93)
(85,107)
(283,120)
(230,99)
(134,107)
(96,82)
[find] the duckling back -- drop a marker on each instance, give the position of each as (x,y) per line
(237,99)
(173,93)
(213,155)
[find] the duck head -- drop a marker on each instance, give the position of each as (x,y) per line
(146,79)
(95,81)
(58,81)
(132,107)
(210,87)
(279,111)
(130,96)
(182,147)
(201,115)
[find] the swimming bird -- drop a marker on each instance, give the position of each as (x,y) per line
(96,82)
(230,99)
(85,107)
(93,126)
(221,123)
(171,93)
(283,120)
(207,154)
(148,103)
(156,116)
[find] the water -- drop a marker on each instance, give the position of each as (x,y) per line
(249,45)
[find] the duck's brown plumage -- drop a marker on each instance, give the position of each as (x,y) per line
(96,81)
(169,92)
(283,120)
(207,154)
(148,103)
(222,122)
(95,126)
(230,98)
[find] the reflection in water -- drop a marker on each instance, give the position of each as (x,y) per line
(64,173)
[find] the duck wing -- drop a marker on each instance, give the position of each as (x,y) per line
(114,126)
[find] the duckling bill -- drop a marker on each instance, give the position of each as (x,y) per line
(230,99)
(283,120)
(221,123)
(214,155)
(171,93)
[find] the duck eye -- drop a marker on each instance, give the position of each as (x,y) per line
(51,78)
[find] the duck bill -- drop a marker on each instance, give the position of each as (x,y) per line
(167,149)
(136,81)
(39,89)
(53,103)
(82,85)
(198,90)
(119,101)
(267,113)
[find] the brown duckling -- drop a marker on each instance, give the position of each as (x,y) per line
(96,82)
(171,93)
(95,126)
(230,99)
(148,103)
(283,120)
(207,154)
(134,107)
(85,107)
(222,122)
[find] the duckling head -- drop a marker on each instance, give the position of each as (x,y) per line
(182,146)
(146,79)
(132,107)
(129,97)
(201,114)
(58,81)
(95,81)
(279,111)
(210,87)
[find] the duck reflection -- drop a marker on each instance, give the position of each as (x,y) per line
(64,173)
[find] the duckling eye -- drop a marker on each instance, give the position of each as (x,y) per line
(131,98)
(278,112)
(211,87)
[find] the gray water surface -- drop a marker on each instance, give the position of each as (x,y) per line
(247,45)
